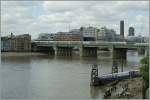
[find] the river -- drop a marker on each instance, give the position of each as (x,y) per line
(44,77)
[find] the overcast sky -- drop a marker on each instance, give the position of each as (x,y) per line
(34,17)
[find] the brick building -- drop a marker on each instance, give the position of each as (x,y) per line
(21,43)
(16,43)
(67,36)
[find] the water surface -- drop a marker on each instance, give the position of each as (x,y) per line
(46,77)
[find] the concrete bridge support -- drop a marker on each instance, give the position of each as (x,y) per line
(34,47)
(45,49)
(88,52)
(51,51)
(146,52)
(119,53)
(141,51)
(64,51)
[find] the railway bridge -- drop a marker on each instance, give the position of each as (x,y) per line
(88,48)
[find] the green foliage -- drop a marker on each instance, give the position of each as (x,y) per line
(145,71)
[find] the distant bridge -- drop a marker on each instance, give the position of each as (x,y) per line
(89,48)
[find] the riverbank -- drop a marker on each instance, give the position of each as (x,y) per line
(6,54)
(127,89)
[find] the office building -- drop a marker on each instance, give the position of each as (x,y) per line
(75,31)
(131,31)
(89,33)
(110,35)
(5,44)
(67,36)
(46,36)
(16,43)
(122,28)
(21,43)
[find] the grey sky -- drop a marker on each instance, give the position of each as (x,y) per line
(36,17)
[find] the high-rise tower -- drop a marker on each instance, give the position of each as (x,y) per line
(131,31)
(122,28)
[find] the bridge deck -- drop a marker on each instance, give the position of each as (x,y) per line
(91,44)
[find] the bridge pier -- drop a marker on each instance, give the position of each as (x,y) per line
(146,52)
(45,49)
(64,51)
(34,47)
(89,51)
(119,53)
(141,51)
(51,51)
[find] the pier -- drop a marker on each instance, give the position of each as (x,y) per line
(107,78)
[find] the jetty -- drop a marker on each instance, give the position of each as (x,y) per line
(97,80)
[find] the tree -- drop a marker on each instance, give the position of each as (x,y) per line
(144,70)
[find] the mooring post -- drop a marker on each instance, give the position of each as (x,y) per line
(94,75)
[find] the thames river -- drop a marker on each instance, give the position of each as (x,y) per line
(46,77)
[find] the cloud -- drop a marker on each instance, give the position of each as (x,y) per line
(132,5)
(51,16)
(61,6)
(16,16)
(141,18)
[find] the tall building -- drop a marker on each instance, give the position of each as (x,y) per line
(131,31)
(122,28)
